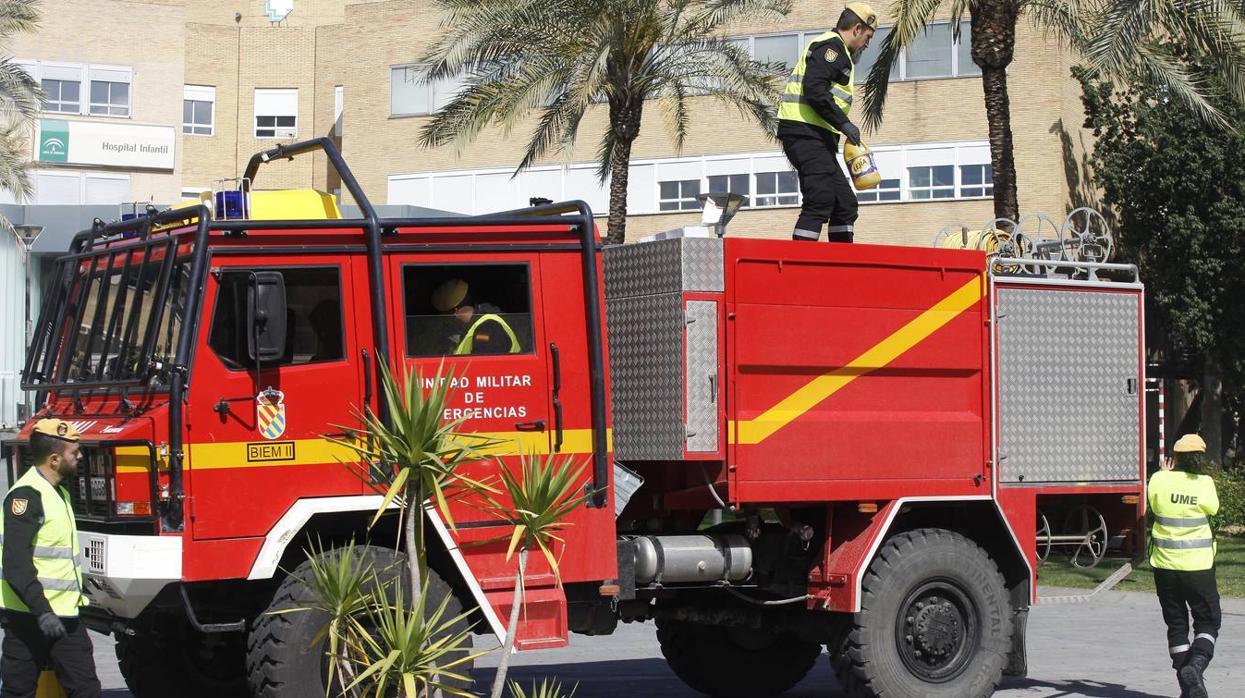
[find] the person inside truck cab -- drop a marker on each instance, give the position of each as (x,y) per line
(479,328)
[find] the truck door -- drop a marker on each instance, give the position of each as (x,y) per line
(256,444)
(484,321)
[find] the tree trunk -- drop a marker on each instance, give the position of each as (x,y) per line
(507,647)
(1212,411)
(993,45)
(414,543)
(619,170)
(625,116)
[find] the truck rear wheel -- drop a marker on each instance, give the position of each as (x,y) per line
(934,621)
(166,657)
(281,662)
(727,662)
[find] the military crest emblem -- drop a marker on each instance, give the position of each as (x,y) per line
(270,409)
(18,506)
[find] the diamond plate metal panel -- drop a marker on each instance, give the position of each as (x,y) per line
(646,372)
(1068,376)
(702,376)
(663,266)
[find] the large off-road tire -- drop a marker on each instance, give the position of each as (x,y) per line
(727,662)
(166,657)
(934,621)
(281,662)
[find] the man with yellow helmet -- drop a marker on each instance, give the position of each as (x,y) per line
(41,586)
(814,113)
(1182,553)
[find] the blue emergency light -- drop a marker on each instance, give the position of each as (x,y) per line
(230,205)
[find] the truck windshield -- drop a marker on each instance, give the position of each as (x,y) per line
(112,318)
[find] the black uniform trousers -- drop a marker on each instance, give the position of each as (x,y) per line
(1184,593)
(828,197)
(26,651)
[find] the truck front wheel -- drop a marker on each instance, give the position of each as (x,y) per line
(727,662)
(284,660)
(934,621)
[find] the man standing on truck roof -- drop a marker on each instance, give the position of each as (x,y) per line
(814,112)
(41,590)
(1182,553)
(486,331)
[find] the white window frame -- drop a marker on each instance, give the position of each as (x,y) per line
(960,185)
(81,178)
(275,94)
(83,74)
(964,153)
(339,108)
(437,93)
(199,93)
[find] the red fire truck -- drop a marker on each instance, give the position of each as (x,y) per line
(795,447)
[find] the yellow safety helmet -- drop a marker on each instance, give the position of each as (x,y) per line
(1190,443)
(449,295)
(865,13)
(57,429)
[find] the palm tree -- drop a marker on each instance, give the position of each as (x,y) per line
(1118,38)
(20,99)
(562,58)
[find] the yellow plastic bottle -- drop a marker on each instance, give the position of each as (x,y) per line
(861,165)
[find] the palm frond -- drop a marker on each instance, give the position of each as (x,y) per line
(911,17)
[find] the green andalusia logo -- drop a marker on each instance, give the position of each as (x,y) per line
(53,140)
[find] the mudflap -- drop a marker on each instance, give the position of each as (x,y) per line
(1017,658)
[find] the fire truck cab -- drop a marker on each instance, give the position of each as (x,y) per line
(794,448)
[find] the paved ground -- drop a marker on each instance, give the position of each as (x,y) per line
(1112,648)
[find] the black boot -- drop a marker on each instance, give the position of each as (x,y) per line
(1190,677)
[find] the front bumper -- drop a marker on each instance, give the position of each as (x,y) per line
(122,574)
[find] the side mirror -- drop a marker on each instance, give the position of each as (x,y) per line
(265,316)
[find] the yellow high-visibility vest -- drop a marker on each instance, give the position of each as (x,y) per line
(1181,537)
(57,553)
(468,341)
(795,108)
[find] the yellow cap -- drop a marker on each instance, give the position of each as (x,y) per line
(57,428)
(1189,443)
(449,295)
(865,13)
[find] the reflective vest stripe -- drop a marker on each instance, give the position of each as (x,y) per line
(794,107)
(1184,544)
(468,343)
(56,584)
(1182,523)
(49,551)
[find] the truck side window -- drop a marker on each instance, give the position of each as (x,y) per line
(313,317)
(461,309)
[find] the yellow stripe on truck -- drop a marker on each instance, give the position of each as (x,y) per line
(795,405)
(261,453)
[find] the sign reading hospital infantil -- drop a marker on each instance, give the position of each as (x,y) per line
(102,143)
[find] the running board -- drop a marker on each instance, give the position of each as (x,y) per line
(1106,585)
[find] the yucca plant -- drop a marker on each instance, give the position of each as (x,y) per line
(412,651)
(341,586)
(418,454)
(541,495)
(547,688)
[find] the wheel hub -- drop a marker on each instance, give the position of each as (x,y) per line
(936,629)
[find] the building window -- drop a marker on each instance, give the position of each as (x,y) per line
(929,56)
(931,182)
(198,106)
(679,195)
(63,95)
(976,180)
(110,98)
(777,189)
(730,184)
(276,113)
(888,190)
(409,95)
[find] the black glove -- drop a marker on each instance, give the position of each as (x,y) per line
(51,626)
(851,133)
